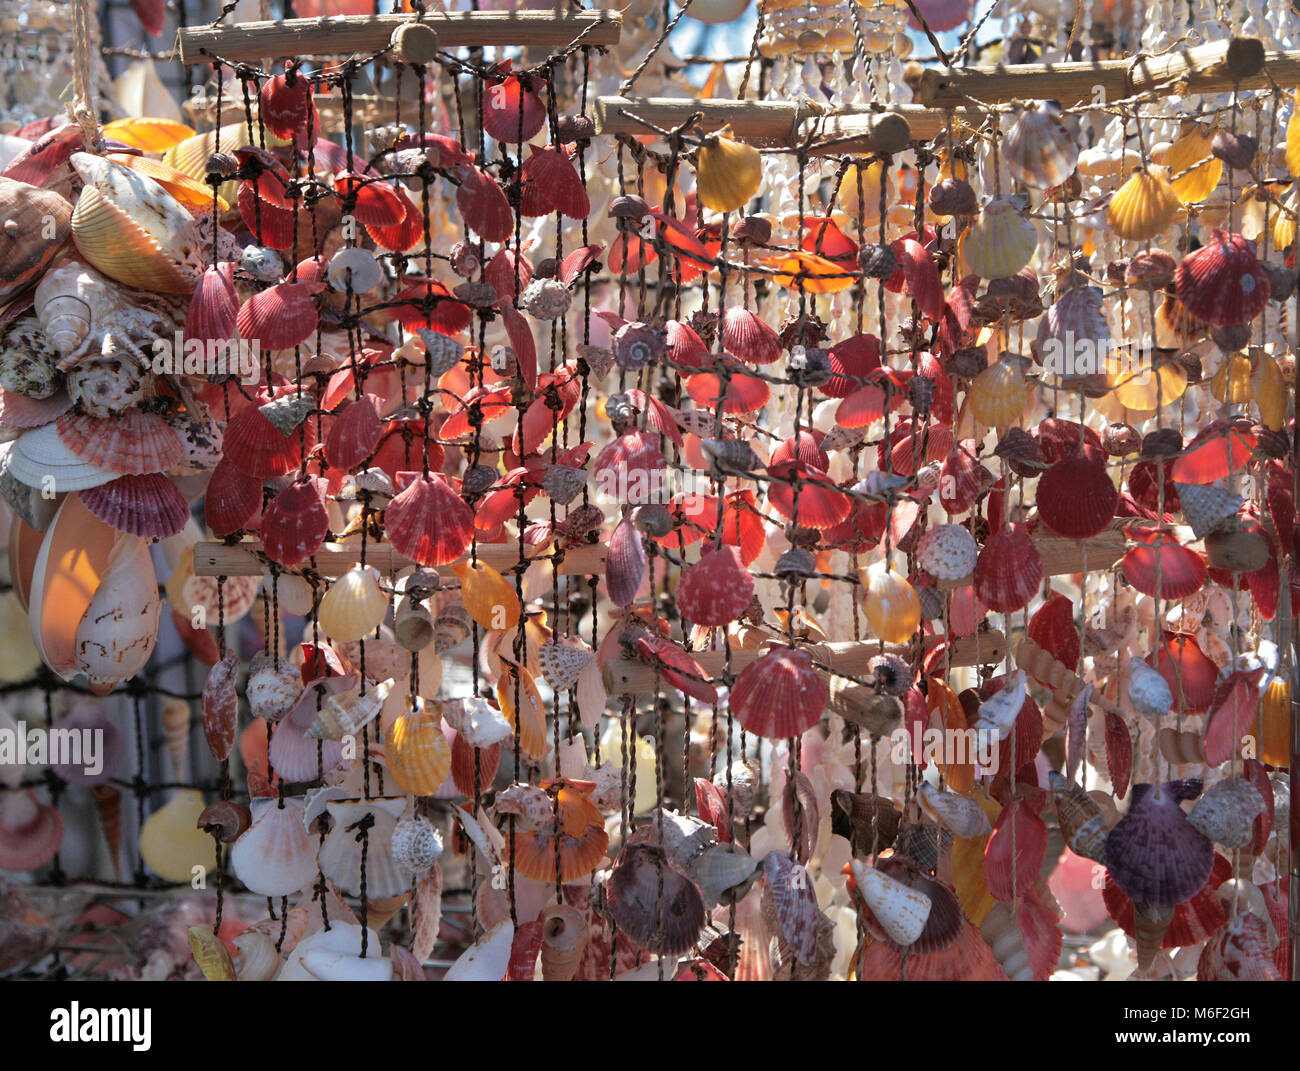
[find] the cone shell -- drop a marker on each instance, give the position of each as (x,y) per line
(133,443)
(1038,151)
(108,804)
(901,911)
(1143,207)
(428,522)
(1000,241)
(1222,283)
(354,606)
(417,752)
(717,589)
(133,230)
(780,695)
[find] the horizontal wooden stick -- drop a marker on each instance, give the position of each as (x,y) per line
(765,123)
(345,34)
(626,676)
(238,559)
(1062,557)
(1214,67)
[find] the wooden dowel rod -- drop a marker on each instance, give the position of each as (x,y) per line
(1063,557)
(1213,67)
(238,559)
(767,123)
(626,676)
(345,34)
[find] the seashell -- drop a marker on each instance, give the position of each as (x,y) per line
(119,628)
(1207,507)
(1150,924)
(1075,497)
(428,522)
(999,241)
(257,958)
(130,228)
(1226,813)
(999,394)
(635,900)
(1003,936)
(1240,953)
(901,911)
(451,628)
(275,856)
(779,695)
(417,844)
(356,433)
(952,197)
(441,352)
(279,317)
(370,822)
(344,712)
(960,814)
(580,843)
(296,522)
(1147,690)
(1222,283)
(947,552)
(562,663)
(1193,170)
(1159,566)
(171,843)
(225,820)
(30,831)
(1009,569)
(487,596)
(637,345)
(1038,151)
(418,754)
(717,589)
(746,336)
(354,606)
(890,603)
(37,223)
(869,822)
(1150,270)
(1176,747)
(213,306)
(969,958)
(998,713)
(108,805)
(133,443)
(149,506)
(877,261)
(727,173)
(176,734)
(28,364)
(1153,854)
(564,941)
(354,271)
(1236,150)
(1237,550)
(1143,207)
(1083,823)
(272,687)
(413,624)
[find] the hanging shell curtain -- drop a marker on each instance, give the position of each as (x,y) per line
(488,547)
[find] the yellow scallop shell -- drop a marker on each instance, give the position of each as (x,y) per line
(148,134)
(890,603)
(1270,393)
(999,241)
(1193,171)
(488,596)
(416,751)
(532,724)
(189,192)
(1146,391)
(999,394)
(866,209)
(1293,138)
(354,606)
(1143,207)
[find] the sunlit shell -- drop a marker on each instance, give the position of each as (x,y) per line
(1143,207)
(1038,151)
(1194,171)
(37,223)
(417,752)
(489,598)
(428,522)
(779,695)
(1009,569)
(890,604)
(1000,241)
(999,394)
(1222,283)
(354,605)
(275,856)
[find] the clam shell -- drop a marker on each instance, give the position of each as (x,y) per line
(1009,569)
(947,552)
(354,606)
(26,249)
(275,856)
(40,459)
(1038,151)
(418,754)
(634,902)
(1153,854)
(428,522)
(341,854)
(133,443)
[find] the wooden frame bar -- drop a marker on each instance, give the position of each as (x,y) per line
(333,559)
(345,34)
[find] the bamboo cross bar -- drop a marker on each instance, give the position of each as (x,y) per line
(627,676)
(333,559)
(1214,67)
(771,123)
(345,34)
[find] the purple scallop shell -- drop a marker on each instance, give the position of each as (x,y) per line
(1154,854)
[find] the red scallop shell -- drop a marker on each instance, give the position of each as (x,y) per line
(508,275)
(280,317)
(864,407)
(1010,871)
(428,522)
(214,306)
(1009,569)
(817,505)
(1190,673)
(961,478)
(482,204)
(462,766)
(742,525)
(742,393)
(512,110)
(551,184)
(807,446)
(1217,451)
(1119,753)
(232,501)
(132,443)
(296,522)
(968,959)
(1222,283)
(630,253)
(685,348)
(921,275)
(1159,566)
(1059,439)
(715,590)
(148,505)
(779,695)
(1193,920)
(355,433)
(1233,711)
(540,420)
(400,236)
(1021,745)
(20,412)
(1075,496)
(693,514)
(374,204)
(625,563)
(577,262)
(428,303)
(256,447)
(286,104)
(402,447)
(935,440)
(851,360)
(272,227)
(1145,490)
(1052,627)
(747,336)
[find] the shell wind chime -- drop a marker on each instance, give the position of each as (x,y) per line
(840,530)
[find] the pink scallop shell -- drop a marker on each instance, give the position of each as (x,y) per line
(779,695)
(132,443)
(149,505)
(232,501)
(428,522)
(30,831)
(747,336)
(280,317)
(296,522)
(716,590)
(355,433)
